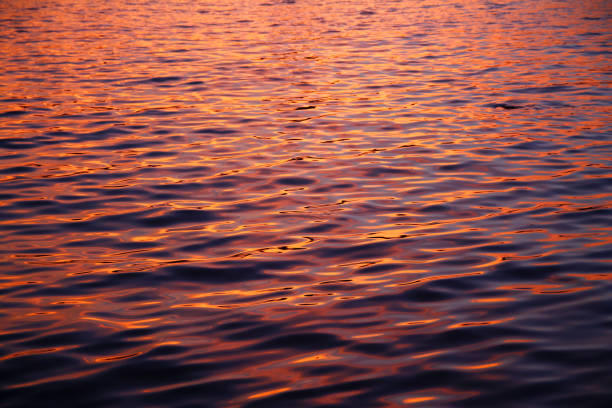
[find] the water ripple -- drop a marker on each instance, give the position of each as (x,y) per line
(288,203)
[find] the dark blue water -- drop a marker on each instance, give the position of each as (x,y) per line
(295,204)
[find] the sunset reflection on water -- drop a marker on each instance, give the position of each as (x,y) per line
(307,204)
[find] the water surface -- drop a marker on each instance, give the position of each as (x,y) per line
(296,203)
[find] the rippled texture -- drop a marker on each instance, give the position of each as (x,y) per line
(294,203)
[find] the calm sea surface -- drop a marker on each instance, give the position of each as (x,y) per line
(297,203)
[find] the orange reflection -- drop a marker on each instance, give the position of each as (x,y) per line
(415,400)
(418,322)
(483,323)
(316,357)
(268,393)
(479,366)
(493,300)
(425,355)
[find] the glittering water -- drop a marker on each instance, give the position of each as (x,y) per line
(268,203)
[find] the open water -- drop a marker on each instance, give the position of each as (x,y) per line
(305,203)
